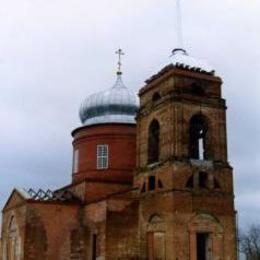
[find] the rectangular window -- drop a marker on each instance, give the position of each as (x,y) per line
(102,156)
(76,161)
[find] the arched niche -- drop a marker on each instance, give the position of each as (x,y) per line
(156,97)
(156,239)
(13,241)
(206,237)
(153,142)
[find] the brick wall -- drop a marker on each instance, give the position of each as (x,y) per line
(121,140)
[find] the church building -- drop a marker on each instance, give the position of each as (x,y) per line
(150,181)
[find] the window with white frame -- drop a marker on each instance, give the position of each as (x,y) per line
(76,161)
(102,156)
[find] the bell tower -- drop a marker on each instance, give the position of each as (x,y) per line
(183,173)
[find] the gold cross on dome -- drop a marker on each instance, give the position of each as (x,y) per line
(120,54)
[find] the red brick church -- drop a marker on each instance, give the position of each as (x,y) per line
(151,179)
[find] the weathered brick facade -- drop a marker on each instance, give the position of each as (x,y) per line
(161,198)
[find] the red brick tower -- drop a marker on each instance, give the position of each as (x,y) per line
(185,180)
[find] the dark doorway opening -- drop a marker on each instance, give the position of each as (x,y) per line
(94,247)
(203,246)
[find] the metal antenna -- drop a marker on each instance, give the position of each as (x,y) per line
(179,33)
(120,54)
(178,27)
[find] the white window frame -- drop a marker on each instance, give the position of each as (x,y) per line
(102,156)
(76,161)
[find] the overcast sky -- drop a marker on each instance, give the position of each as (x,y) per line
(53,53)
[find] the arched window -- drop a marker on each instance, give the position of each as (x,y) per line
(151,183)
(216,184)
(143,188)
(203,180)
(160,184)
(12,225)
(197,89)
(156,97)
(13,241)
(198,138)
(154,142)
(190,183)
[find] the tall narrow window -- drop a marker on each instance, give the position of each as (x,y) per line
(151,183)
(102,156)
(154,142)
(203,180)
(198,138)
(76,161)
(216,184)
(190,183)
(94,247)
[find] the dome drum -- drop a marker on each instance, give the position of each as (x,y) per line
(120,140)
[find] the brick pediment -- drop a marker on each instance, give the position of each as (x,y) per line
(16,199)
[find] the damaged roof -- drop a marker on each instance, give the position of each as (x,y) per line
(47,195)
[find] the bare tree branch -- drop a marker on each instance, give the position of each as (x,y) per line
(250,242)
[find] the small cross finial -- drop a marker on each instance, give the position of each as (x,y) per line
(120,54)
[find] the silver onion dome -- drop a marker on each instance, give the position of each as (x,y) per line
(115,105)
